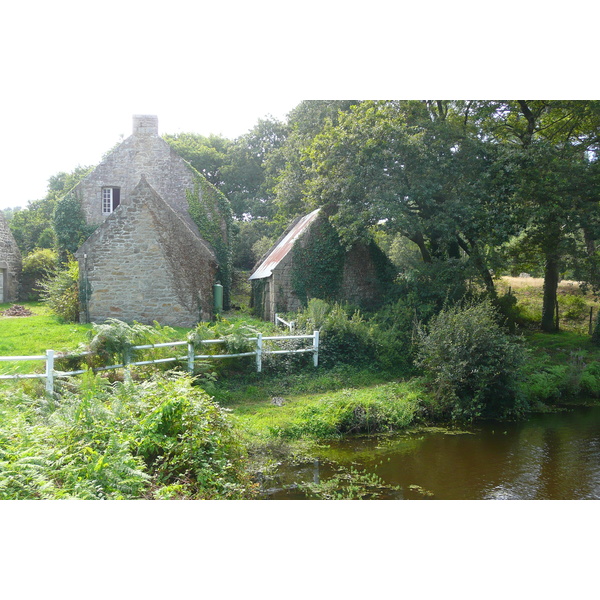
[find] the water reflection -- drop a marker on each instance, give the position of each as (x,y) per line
(553,456)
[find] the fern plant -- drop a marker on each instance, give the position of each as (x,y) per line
(114,339)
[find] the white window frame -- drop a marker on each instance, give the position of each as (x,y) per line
(107,200)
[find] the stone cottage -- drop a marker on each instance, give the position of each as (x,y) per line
(148,259)
(144,263)
(308,261)
(10,263)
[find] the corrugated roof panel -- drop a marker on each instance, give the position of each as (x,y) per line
(265,269)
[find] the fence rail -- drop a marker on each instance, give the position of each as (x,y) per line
(289,324)
(50,356)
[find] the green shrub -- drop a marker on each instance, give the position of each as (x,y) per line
(186,439)
(590,380)
(397,332)
(238,340)
(471,365)
(40,261)
(37,265)
(547,384)
(95,440)
(60,291)
(113,340)
(433,285)
(572,307)
(347,338)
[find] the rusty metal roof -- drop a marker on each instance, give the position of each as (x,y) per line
(280,251)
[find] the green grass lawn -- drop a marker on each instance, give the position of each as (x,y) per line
(27,336)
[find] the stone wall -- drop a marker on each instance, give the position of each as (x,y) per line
(363,282)
(10,264)
(275,294)
(142,153)
(145,264)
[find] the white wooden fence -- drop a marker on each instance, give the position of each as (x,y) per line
(50,373)
(289,324)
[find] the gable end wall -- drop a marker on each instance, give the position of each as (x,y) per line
(144,264)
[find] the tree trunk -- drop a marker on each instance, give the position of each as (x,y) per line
(472,251)
(418,239)
(549,307)
(590,246)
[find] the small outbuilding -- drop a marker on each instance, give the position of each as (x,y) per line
(309,261)
(10,263)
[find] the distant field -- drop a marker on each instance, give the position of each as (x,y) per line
(573,304)
(536,283)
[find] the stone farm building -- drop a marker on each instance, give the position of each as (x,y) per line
(308,261)
(10,263)
(147,260)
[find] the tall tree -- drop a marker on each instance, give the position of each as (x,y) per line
(33,226)
(252,160)
(553,146)
(293,159)
(418,168)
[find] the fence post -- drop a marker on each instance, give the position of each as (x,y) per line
(190,358)
(316,347)
(49,371)
(259,342)
(126,367)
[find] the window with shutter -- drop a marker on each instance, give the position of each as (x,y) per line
(111,198)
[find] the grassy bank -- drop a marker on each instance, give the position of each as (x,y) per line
(287,410)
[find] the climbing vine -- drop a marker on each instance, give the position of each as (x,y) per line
(211,212)
(318,263)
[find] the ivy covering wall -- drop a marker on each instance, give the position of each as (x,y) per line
(212,213)
(318,263)
(323,268)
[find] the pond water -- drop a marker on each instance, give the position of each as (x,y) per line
(547,457)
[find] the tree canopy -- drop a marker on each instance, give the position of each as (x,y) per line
(495,186)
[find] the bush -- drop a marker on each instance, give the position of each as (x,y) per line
(237,336)
(471,365)
(61,292)
(161,439)
(113,340)
(397,331)
(37,265)
(573,307)
(40,261)
(433,285)
(345,336)
(187,440)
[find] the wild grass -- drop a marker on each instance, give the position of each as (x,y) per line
(574,303)
(33,335)
(28,336)
(390,406)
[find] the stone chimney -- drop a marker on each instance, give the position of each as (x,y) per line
(145,125)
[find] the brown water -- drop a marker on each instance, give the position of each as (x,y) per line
(551,456)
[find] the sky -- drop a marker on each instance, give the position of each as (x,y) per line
(73,73)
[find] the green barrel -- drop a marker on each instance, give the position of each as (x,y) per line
(218,293)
